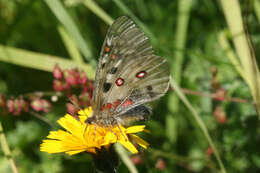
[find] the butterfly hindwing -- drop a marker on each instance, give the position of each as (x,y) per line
(128,74)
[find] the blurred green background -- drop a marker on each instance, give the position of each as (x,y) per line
(188,33)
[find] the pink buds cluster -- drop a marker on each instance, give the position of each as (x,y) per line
(68,81)
(219,94)
(18,105)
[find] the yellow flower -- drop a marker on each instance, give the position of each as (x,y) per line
(80,136)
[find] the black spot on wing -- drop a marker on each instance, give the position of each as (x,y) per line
(149,88)
(113,70)
(106,87)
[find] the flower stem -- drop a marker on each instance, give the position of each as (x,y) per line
(6,149)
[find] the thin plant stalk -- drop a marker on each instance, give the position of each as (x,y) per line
(125,158)
(6,149)
(199,122)
(93,6)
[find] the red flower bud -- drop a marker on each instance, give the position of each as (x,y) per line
(84,99)
(82,79)
(71,109)
(71,77)
(136,159)
(209,152)
(46,106)
(10,105)
(18,106)
(58,85)
(220,115)
(221,94)
(37,105)
(160,164)
(57,72)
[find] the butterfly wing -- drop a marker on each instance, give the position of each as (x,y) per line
(128,74)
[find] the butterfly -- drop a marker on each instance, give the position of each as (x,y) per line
(128,76)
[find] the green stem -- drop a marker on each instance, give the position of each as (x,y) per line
(93,6)
(125,158)
(6,149)
(184,7)
(199,122)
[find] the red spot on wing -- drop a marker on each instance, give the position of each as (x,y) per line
(116,103)
(141,74)
(127,103)
(106,106)
(113,56)
(107,49)
(120,81)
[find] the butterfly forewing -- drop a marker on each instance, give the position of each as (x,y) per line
(128,74)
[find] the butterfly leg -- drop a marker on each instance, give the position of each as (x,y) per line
(118,125)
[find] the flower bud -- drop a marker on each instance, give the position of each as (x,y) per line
(209,152)
(82,79)
(37,105)
(58,85)
(220,115)
(18,106)
(57,72)
(71,77)
(160,164)
(10,105)
(46,106)
(136,159)
(71,109)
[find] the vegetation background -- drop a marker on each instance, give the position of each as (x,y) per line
(211,59)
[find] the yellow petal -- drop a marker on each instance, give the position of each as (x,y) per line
(74,152)
(128,145)
(52,146)
(72,125)
(140,141)
(86,112)
(135,129)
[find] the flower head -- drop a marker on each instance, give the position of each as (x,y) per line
(80,137)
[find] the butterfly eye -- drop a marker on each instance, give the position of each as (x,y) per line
(141,74)
(119,81)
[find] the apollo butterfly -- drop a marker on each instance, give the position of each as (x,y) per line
(128,76)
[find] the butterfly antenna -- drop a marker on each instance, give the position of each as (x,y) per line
(72,100)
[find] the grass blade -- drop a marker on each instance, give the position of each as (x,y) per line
(243,47)
(70,45)
(62,15)
(40,61)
